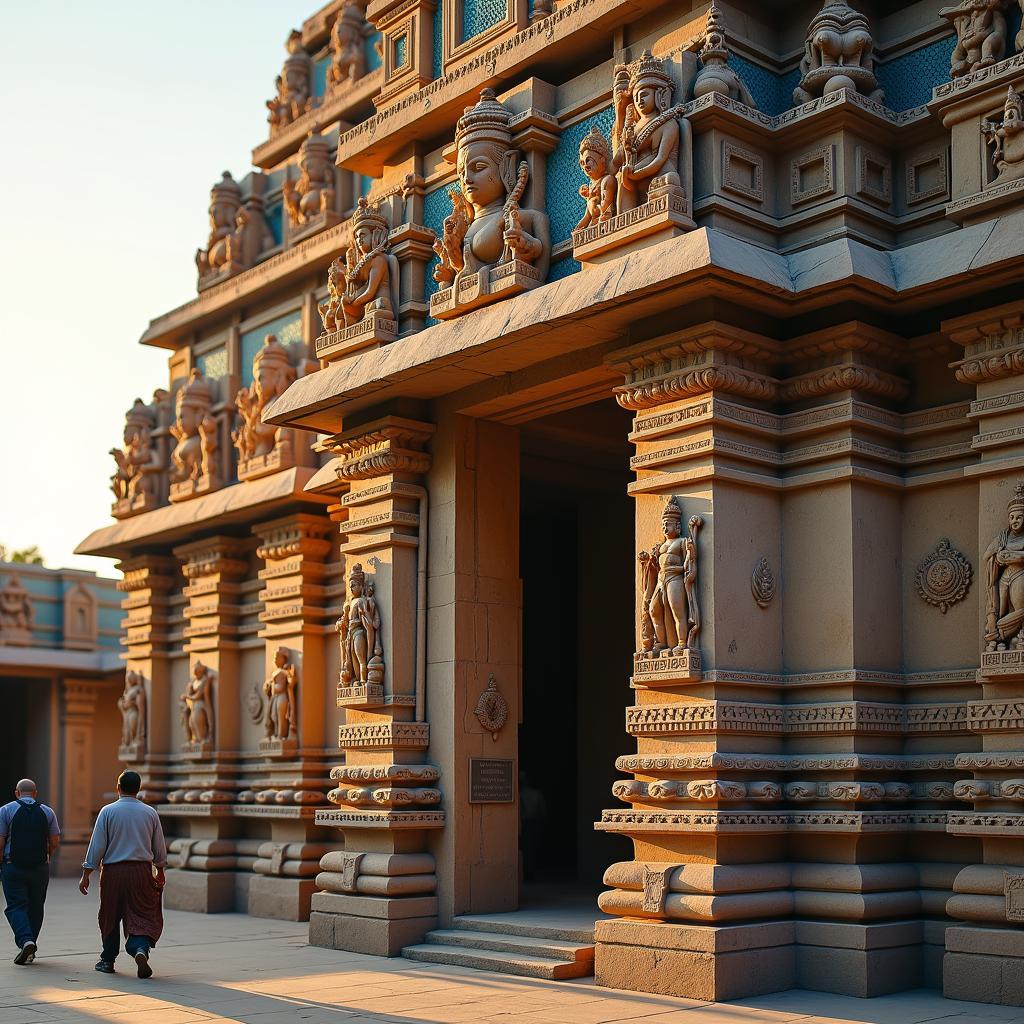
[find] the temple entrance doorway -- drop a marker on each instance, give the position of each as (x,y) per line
(577,567)
(17,760)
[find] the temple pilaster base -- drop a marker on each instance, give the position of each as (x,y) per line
(202,892)
(283,899)
(714,962)
(369,924)
(985,965)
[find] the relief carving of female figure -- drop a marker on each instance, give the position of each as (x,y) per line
(359,632)
(1004,564)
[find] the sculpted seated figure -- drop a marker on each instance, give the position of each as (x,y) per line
(193,466)
(294,86)
(257,443)
(980,34)
(488,229)
(311,198)
(1004,565)
(136,482)
(651,160)
(599,191)
(225,202)
(837,55)
(1007,139)
(348,55)
(362,288)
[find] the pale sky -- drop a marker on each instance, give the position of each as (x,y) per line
(118,117)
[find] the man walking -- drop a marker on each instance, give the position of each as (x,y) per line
(29,834)
(128,841)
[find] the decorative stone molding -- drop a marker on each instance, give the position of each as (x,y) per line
(927,176)
(742,172)
(874,176)
(410,774)
(491,709)
(944,576)
(400,735)
(388,445)
(672,763)
(811,175)
(762,583)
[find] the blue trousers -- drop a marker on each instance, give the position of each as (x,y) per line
(133,944)
(25,892)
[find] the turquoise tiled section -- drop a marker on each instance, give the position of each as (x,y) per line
(436,206)
(908,80)
(480,15)
(365,184)
(772,93)
(273,213)
(401,51)
(1014,19)
(438,37)
(48,588)
(288,329)
(370,49)
(563,268)
(563,203)
(214,363)
(320,75)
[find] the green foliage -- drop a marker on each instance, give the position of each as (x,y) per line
(23,556)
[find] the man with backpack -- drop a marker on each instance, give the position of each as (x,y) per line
(29,835)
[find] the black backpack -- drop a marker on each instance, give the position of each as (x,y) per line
(29,841)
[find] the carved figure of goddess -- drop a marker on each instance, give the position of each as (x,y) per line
(197,706)
(280,691)
(1004,562)
(358,628)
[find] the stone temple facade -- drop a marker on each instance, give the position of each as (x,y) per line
(604,411)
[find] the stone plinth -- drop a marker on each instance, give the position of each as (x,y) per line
(374,329)
(663,216)
(484,287)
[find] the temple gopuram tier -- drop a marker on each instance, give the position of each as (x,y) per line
(590,475)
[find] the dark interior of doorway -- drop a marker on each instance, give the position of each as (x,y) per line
(14,759)
(577,567)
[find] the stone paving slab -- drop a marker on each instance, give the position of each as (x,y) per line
(230,968)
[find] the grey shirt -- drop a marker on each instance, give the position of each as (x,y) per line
(7,813)
(126,830)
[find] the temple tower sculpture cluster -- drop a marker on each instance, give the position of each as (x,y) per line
(593,456)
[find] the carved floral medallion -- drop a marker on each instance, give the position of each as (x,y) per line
(944,576)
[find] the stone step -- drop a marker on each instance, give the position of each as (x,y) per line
(503,963)
(577,926)
(552,949)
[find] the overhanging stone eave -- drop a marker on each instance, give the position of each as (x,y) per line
(229,506)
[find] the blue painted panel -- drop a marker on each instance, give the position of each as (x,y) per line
(214,363)
(480,15)
(563,204)
(288,329)
(370,49)
(436,206)
(320,75)
(438,38)
(908,80)
(401,51)
(563,268)
(274,216)
(772,93)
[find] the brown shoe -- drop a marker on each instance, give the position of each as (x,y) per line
(142,960)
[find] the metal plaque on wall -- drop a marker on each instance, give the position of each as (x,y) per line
(491,780)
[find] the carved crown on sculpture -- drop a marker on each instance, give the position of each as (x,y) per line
(651,156)
(491,247)
(194,467)
(263,448)
(362,289)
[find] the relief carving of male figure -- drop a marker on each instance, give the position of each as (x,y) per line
(1004,563)
(359,633)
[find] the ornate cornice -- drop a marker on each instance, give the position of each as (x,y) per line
(388,445)
(845,377)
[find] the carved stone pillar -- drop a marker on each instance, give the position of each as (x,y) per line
(147,583)
(769,805)
(77,721)
(378,894)
(208,738)
(412,244)
(985,953)
(292,781)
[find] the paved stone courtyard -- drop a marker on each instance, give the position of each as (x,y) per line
(230,967)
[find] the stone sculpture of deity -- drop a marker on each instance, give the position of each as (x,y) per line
(715,74)
(599,191)
(138,460)
(280,690)
(365,279)
(1007,139)
(272,372)
(313,193)
(132,705)
(980,34)
(294,86)
(225,202)
(1004,565)
(15,613)
(348,55)
(651,139)
(362,660)
(837,55)
(487,226)
(195,430)
(670,614)
(197,705)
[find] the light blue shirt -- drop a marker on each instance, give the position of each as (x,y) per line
(126,830)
